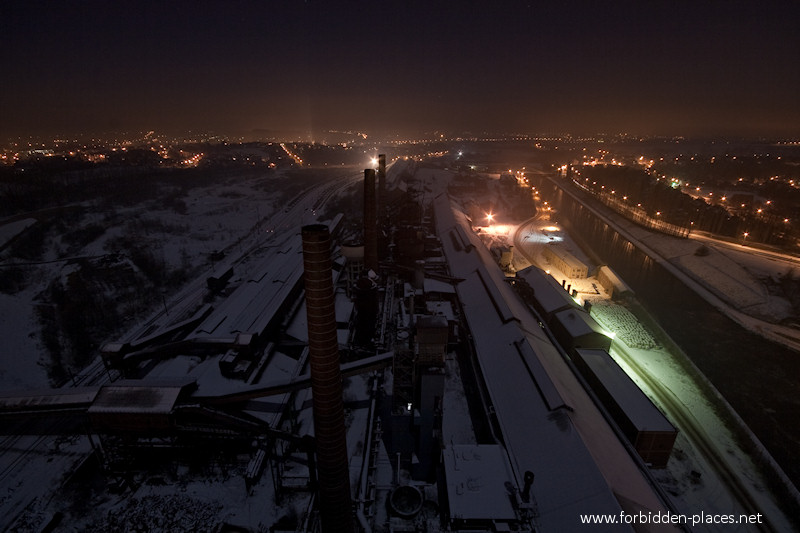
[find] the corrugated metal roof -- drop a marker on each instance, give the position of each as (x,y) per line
(47,399)
(549,294)
(254,303)
(139,397)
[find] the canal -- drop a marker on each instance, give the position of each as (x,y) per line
(759,378)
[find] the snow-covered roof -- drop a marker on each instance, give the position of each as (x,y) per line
(255,302)
(495,296)
(435,285)
(548,390)
(537,437)
(578,323)
(565,256)
(444,309)
(626,394)
(476,477)
(550,296)
(619,285)
(12,229)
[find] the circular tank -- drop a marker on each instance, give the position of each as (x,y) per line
(353,251)
(406,501)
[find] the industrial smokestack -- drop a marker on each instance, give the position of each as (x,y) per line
(526,490)
(370,222)
(382,186)
(326,383)
(419,274)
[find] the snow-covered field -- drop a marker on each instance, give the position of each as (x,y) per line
(180,239)
(737,277)
(33,470)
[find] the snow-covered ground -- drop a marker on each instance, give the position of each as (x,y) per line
(234,213)
(12,229)
(215,217)
(735,274)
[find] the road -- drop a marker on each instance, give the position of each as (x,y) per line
(704,237)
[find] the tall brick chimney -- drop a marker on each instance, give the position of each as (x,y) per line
(370,222)
(382,208)
(326,383)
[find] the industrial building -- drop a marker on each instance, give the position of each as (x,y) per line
(645,426)
(575,329)
(568,264)
(547,296)
(262,367)
(588,344)
(530,419)
(613,284)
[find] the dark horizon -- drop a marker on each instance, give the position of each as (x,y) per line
(660,69)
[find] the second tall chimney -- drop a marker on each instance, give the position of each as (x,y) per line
(326,383)
(370,222)
(382,208)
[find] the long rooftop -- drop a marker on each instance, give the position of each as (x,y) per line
(536,424)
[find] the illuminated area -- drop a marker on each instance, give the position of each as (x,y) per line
(545,234)
(498,229)
(291,154)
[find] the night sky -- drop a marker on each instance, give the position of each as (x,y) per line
(668,68)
